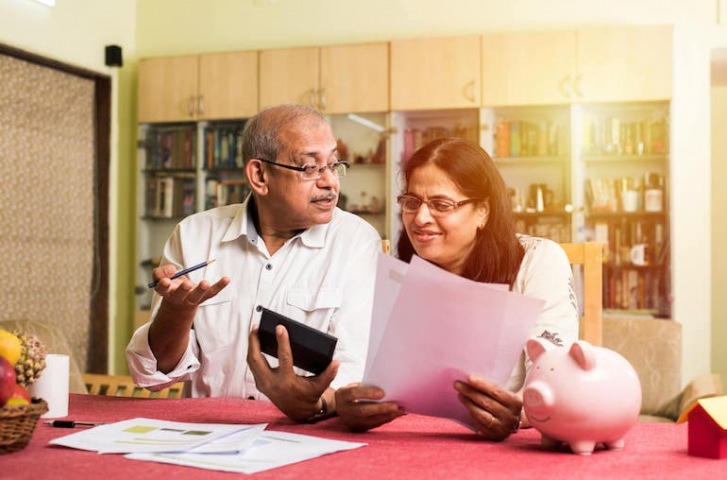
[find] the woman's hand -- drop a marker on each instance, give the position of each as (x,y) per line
(357,406)
(495,411)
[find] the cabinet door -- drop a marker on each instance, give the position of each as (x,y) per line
(625,63)
(288,76)
(168,89)
(228,85)
(354,78)
(435,73)
(528,68)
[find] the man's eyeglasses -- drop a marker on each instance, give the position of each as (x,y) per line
(314,172)
(436,206)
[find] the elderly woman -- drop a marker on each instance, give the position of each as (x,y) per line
(456,214)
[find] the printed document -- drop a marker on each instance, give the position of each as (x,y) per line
(431,327)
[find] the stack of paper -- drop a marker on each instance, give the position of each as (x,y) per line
(431,327)
(231,448)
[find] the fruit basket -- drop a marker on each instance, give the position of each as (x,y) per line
(17,424)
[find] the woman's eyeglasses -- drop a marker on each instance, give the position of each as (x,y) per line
(436,206)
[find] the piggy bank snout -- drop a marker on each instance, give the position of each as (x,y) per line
(538,396)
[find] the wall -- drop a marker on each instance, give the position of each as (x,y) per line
(169,27)
(75,32)
(719,221)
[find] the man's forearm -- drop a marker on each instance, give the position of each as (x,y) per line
(169,335)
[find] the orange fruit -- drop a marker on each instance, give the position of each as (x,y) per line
(9,346)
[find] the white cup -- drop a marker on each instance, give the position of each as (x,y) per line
(53,384)
(630,200)
(639,254)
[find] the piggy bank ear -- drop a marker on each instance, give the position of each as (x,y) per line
(584,354)
(535,347)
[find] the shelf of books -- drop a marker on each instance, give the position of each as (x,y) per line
(184,168)
(625,160)
(531,148)
(362,140)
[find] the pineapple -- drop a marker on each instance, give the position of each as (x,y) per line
(32,359)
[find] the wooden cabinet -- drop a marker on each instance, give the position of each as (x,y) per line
(355,78)
(588,65)
(624,64)
(228,85)
(435,73)
(168,89)
(198,87)
(336,79)
(527,68)
(289,76)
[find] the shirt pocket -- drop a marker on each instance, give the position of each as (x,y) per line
(216,326)
(316,307)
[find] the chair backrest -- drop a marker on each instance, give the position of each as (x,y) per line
(124,386)
(590,256)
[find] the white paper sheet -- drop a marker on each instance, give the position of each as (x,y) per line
(149,435)
(269,450)
(440,328)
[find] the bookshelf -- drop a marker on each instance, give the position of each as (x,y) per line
(531,146)
(584,151)
(184,168)
(362,139)
(576,172)
(624,157)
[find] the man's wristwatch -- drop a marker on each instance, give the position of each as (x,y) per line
(322,412)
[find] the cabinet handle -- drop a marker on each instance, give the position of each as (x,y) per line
(565,87)
(312,97)
(577,86)
(469,91)
(322,100)
(200,105)
(190,106)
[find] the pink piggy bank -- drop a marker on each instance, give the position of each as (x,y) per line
(580,396)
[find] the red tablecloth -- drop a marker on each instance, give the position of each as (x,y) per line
(412,446)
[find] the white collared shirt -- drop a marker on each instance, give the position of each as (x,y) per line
(323,277)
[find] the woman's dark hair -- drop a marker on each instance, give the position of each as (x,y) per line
(497,253)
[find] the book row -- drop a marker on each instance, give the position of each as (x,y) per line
(223,147)
(225,191)
(630,289)
(613,136)
(415,138)
(168,197)
(171,149)
(516,138)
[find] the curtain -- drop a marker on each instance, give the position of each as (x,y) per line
(47,198)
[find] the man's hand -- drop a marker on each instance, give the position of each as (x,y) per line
(169,332)
(296,396)
(181,293)
(358,411)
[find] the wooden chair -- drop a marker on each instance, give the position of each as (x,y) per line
(590,256)
(124,386)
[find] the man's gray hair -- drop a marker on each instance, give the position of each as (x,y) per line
(261,135)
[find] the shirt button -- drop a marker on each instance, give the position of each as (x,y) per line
(259,308)
(268,266)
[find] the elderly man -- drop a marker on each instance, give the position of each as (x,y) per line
(286,248)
